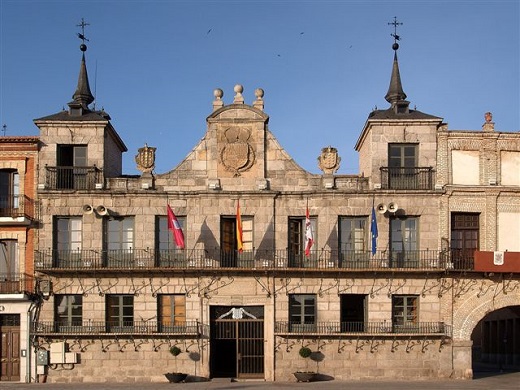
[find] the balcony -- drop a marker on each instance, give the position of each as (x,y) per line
(416,178)
(16,209)
(16,284)
(382,328)
(139,328)
(72,178)
(282,259)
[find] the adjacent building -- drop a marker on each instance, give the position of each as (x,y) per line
(383,274)
(18,224)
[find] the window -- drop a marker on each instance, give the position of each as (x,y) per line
(8,257)
(72,167)
(402,164)
(302,312)
(171,312)
(9,192)
(68,311)
(119,241)
(353,309)
(67,241)
(404,242)
(405,312)
(119,312)
(353,242)
(228,241)
(296,243)
(464,239)
(168,254)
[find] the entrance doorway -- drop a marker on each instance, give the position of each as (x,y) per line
(10,347)
(496,341)
(237,342)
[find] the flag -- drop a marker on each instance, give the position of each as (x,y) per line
(373,230)
(309,240)
(175,227)
(239,229)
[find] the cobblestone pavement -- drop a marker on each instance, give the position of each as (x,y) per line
(482,381)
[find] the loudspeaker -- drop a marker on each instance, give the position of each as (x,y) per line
(392,207)
(88,209)
(381,208)
(101,210)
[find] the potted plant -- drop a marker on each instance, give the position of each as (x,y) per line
(305,376)
(175,377)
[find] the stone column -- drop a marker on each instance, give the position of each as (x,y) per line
(462,359)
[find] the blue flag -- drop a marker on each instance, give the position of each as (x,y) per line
(373,230)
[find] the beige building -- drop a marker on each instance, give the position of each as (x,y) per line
(121,301)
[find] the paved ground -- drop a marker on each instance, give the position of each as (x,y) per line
(482,381)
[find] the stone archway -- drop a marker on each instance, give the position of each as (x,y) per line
(467,312)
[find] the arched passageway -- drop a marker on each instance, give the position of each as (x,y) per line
(496,341)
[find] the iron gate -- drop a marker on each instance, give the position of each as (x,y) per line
(237,348)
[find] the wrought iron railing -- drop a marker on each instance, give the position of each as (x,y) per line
(91,259)
(16,283)
(72,178)
(81,327)
(15,206)
(371,328)
(415,178)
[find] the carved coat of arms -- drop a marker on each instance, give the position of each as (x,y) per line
(145,158)
(329,160)
(237,154)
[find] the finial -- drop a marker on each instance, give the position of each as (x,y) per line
(4,129)
(218,103)
(395,23)
(259,102)
(81,35)
(239,99)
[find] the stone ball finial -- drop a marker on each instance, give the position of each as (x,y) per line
(488,117)
(218,93)
(238,89)
(259,93)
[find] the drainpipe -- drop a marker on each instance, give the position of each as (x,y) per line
(29,344)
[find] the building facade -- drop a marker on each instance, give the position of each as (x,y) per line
(18,165)
(407,257)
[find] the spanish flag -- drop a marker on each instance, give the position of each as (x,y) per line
(239,229)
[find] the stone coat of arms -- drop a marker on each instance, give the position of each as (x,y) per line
(329,160)
(145,158)
(237,154)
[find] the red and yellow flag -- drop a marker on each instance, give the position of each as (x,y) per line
(239,229)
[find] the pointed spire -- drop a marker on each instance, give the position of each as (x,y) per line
(395,90)
(395,95)
(82,95)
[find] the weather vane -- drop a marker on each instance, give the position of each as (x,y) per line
(395,23)
(81,35)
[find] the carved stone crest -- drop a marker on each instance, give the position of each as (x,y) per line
(237,155)
(145,158)
(329,160)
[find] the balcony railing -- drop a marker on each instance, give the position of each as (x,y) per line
(72,178)
(90,259)
(364,328)
(416,178)
(79,327)
(16,206)
(16,283)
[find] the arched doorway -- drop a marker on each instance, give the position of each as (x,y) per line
(496,341)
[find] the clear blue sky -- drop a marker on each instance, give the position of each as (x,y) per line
(324,65)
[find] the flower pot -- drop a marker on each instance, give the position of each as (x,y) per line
(305,376)
(175,377)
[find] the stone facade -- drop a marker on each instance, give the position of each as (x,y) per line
(403,309)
